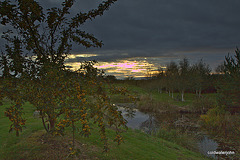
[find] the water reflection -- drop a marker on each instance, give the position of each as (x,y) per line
(150,125)
(206,144)
(136,120)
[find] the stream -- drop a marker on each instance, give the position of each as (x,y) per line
(150,122)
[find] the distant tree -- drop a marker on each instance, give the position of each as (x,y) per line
(111,78)
(229,86)
(199,75)
(41,77)
(149,73)
(220,69)
(161,80)
(172,76)
(184,77)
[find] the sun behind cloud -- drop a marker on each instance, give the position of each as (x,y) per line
(125,68)
(138,68)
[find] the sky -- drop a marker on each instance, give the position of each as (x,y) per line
(142,35)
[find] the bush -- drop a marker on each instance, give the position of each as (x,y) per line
(220,122)
(202,104)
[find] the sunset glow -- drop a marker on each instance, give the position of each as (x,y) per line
(123,68)
(121,65)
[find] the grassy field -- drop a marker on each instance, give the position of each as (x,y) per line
(33,143)
(164,97)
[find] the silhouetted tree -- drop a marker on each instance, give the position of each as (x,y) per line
(110,78)
(220,69)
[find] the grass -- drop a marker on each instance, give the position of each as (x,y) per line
(180,138)
(33,143)
(188,97)
(140,146)
(152,96)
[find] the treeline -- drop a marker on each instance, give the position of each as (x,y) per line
(197,78)
(184,77)
(179,77)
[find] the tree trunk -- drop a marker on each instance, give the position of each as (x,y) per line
(43,122)
(52,123)
(172,94)
(182,96)
(199,93)
(160,90)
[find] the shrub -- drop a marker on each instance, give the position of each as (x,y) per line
(220,122)
(202,104)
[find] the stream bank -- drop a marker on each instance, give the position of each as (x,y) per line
(184,122)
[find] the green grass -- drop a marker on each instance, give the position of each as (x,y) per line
(188,97)
(9,143)
(29,144)
(139,145)
(164,97)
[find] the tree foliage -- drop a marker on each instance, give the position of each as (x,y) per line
(229,86)
(38,41)
(172,77)
(183,76)
(48,34)
(200,73)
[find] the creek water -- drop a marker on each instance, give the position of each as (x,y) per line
(150,123)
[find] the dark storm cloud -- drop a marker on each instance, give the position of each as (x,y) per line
(172,27)
(167,25)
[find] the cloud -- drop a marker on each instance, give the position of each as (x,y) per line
(162,29)
(205,29)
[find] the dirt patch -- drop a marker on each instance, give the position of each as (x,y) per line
(46,146)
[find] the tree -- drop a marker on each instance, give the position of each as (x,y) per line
(111,78)
(48,36)
(172,77)
(160,79)
(183,81)
(41,77)
(229,86)
(220,69)
(199,73)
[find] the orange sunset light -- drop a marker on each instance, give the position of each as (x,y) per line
(123,68)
